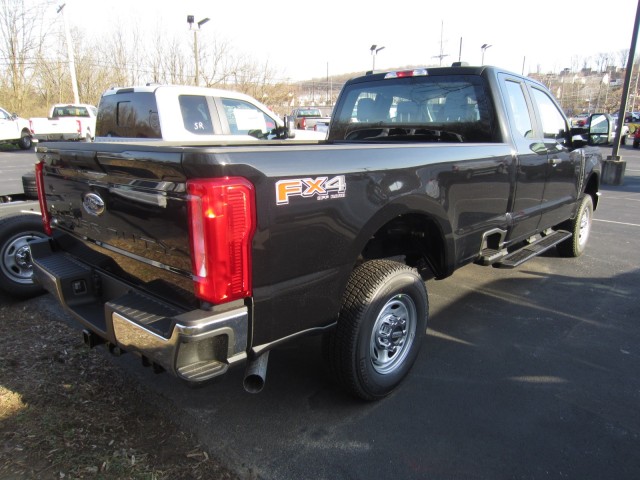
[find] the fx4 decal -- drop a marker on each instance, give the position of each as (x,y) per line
(322,187)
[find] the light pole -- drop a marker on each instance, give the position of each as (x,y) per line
(72,62)
(484,49)
(374,51)
(190,21)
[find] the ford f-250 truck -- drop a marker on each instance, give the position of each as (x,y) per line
(199,257)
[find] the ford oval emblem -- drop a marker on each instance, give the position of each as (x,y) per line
(93,204)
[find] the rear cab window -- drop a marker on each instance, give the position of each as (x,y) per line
(438,108)
(128,115)
(196,116)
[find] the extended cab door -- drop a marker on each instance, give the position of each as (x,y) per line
(531,171)
(563,166)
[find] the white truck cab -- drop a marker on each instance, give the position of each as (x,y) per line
(185,113)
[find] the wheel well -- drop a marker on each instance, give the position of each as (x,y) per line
(415,237)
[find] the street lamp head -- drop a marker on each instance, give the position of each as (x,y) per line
(203,21)
(485,46)
(190,19)
(373,48)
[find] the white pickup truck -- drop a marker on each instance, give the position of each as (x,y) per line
(14,129)
(66,122)
(180,113)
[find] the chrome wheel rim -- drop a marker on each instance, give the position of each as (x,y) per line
(585,227)
(393,334)
(16,258)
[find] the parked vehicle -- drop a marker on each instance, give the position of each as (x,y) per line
(306,118)
(202,256)
(321,126)
(636,138)
(180,113)
(14,129)
(65,122)
(580,120)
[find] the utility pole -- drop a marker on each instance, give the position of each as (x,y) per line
(190,21)
(613,167)
(72,62)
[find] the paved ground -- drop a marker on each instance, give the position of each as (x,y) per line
(527,374)
(14,164)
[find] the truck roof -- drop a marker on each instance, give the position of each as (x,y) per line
(183,89)
(426,71)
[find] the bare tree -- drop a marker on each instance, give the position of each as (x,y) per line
(21,40)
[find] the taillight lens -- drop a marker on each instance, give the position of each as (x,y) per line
(46,219)
(222,223)
(418,72)
(79,126)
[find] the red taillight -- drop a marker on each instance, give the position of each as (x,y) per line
(418,72)
(46,219)
(31,126)
(79,124)
(222,224)
(303,123)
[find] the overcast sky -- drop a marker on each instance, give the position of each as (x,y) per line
(300,38)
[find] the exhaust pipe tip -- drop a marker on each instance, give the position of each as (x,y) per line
(256,374)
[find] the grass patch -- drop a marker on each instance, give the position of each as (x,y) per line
(67,412)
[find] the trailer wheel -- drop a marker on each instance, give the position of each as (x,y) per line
(16,271)
(379,332)
(580,227)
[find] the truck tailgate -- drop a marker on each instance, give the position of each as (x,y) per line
(132,211)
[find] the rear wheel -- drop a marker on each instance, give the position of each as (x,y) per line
(16,271)
(580,227)
(25,142)
(380,327)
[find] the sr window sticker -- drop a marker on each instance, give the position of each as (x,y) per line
(323,188)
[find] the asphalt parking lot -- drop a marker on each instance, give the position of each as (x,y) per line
(524,374)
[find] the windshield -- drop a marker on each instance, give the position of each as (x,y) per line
(452,108)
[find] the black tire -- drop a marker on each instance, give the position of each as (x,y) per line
(29,186)
(636,144)
(16,272)
(580,227)
(380,329)
(25,142)
(623,140)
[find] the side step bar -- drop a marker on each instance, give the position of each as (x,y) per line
(501,259)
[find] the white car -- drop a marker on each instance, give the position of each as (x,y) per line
(14,129)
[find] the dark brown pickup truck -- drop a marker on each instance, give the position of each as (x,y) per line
(201,256)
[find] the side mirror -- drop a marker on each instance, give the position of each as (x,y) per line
(14,116)
(285,131)
(599,129)
(289,125)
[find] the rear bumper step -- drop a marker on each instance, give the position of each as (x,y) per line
(194,345)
